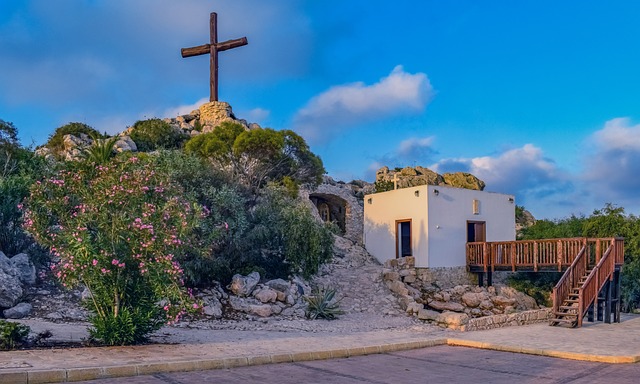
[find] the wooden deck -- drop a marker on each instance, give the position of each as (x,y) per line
(590,284)
(535,255)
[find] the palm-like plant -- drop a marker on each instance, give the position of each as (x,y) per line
(101,151)
(321,304)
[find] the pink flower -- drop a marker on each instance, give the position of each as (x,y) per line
(115,261)
(94,262)
(195,306)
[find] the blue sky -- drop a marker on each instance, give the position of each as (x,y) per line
(539,99)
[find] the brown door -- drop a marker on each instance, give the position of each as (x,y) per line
(476,231)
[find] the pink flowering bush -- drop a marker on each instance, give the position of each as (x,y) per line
(119,230)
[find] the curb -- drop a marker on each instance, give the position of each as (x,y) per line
(35,376)
(545,352)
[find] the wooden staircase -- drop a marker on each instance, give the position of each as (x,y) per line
(567,312)
(591,280)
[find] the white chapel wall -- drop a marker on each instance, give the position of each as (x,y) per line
(448,213)
(381,210)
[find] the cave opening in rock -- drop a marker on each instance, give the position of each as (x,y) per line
(331,208)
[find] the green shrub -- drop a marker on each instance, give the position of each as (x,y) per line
(120,230)
(56,140)
(153,134)
(537,285)
(101,151)
(321,304)
(284,237)
(383,186)
(12,335)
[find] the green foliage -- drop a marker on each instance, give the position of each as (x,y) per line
(255,157)
(120,230)
(153,134)
(610,221)
(285,238)
(537,285)
(321,304)
(12,335)
(56,140)
(383,186)
(101,151)
(19,168)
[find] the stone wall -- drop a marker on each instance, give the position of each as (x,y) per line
(499,321)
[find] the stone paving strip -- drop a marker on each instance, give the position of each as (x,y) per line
(611,343)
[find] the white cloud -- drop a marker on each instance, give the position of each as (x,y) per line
(257,115)
(183,109)
(347,105)
(613,162)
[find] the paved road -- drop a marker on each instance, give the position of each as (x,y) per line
(442,364)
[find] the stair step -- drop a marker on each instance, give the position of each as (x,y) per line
(564,314)
(568,307)
(570,301)
(568,321)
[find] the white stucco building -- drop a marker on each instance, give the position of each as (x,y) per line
(433,223)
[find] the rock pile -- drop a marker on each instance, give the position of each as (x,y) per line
(453,307)
(16,275)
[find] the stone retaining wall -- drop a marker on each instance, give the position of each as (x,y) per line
(499,321)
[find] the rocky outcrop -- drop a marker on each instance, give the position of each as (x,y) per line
(16,274)
(454,307)
(414,176)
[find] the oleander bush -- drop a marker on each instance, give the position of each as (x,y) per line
(121,231)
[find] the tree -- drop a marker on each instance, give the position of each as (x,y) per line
(255,157)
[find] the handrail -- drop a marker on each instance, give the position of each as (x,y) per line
(568,280)
(601,273)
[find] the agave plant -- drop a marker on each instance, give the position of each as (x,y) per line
(101,151)
(321,304)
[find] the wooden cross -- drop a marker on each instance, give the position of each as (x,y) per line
(395,181)
(212,49)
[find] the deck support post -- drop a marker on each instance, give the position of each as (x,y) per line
(616,287)
(607,301)
(489,279)
(480,279)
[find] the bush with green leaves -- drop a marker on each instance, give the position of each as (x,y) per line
(121,231)
(258,156)
(153,134)
(19,168)
(284,238)
(100,151)
(321,304)
(12,335)
(56,139)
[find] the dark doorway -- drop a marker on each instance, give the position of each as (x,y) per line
(403,238)
(476,231)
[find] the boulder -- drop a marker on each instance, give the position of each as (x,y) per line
(125,144)
(279,285)
(502,301)
(10,290)
(446,306)
(427,314)
(463,180)
(414,308)
(212,307)
(266,295)
(398,287)
(472,299)
(18,312)
(263,310)
(25,269)
(243,285)
(453,319)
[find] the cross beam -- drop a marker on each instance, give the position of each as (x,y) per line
(212,49)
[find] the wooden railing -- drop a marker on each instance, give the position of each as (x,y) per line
(599,276)
(570,278)
(525,254)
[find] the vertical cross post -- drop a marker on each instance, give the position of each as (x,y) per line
(212,49)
